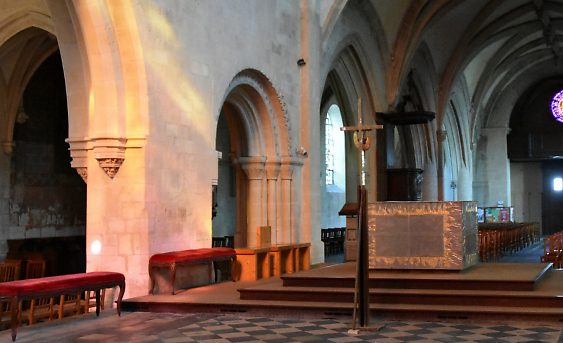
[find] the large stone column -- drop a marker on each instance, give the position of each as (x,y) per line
(254,169)
(492,183)
(272,172)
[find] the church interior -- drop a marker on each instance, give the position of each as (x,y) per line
(132,130)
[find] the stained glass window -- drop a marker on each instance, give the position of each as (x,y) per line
(557,106)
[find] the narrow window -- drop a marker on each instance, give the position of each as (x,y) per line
(329,150)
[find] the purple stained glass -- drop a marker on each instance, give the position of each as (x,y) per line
(557,106)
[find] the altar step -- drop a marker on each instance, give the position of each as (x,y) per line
(490,276)
(508,290)
(387,296)
(315,295)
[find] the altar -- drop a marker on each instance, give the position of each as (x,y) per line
(423,235)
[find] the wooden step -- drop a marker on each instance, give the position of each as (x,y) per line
(405,296)
(333,309)
(500,277)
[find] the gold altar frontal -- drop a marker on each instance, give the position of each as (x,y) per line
(423,235)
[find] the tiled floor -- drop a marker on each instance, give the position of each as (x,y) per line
(169,328)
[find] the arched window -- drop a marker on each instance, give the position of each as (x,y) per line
(329,149)
(334,149)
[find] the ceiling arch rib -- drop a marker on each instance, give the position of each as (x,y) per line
(522,25)
(28,49)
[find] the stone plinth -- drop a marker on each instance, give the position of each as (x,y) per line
(422,235)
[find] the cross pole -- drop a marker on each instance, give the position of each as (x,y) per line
(361,139)
(361,293)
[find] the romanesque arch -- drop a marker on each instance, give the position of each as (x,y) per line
(262,158)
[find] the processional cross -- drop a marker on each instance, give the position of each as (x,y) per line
(361,294)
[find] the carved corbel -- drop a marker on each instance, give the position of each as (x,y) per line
(78,148)
(110,154)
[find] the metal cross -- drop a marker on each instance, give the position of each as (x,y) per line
(361,139)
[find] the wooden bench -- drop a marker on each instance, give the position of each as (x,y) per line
(272,260)
(172,260)
(20,290)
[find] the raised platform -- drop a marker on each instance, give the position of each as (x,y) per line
(529,291)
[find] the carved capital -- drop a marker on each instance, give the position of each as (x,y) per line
(110,165)
(441,135)
(272,170)
(110,154)
(253,166)
(288,166)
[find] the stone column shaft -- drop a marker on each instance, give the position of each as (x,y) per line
(254,169)
(272,172)
(285,232)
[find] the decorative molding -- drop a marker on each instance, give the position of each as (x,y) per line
(83,172)
(288,166)
(109,152)
(272,170)
(110,165)
(253,166)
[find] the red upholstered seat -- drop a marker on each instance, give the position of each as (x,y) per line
(58,284)
(185,257)
(191,255)
(29,289)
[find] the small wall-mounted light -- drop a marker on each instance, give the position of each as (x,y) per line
(301,62)
(96,247)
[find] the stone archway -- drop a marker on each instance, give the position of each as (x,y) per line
(106,124)
(262,159)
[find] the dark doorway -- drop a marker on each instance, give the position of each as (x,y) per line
(47,196)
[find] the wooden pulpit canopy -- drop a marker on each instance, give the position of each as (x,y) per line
(349,209)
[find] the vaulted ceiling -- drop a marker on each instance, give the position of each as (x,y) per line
(500,47)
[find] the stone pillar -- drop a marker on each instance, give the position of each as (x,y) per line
(272,172)
(254,169)
(286,175)
(495,168)
(430,182)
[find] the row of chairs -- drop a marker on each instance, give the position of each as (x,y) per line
(553,249)
(31,311)
(333,239)
(496,241)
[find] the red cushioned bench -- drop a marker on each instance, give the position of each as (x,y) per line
(52,286)
(171,260)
